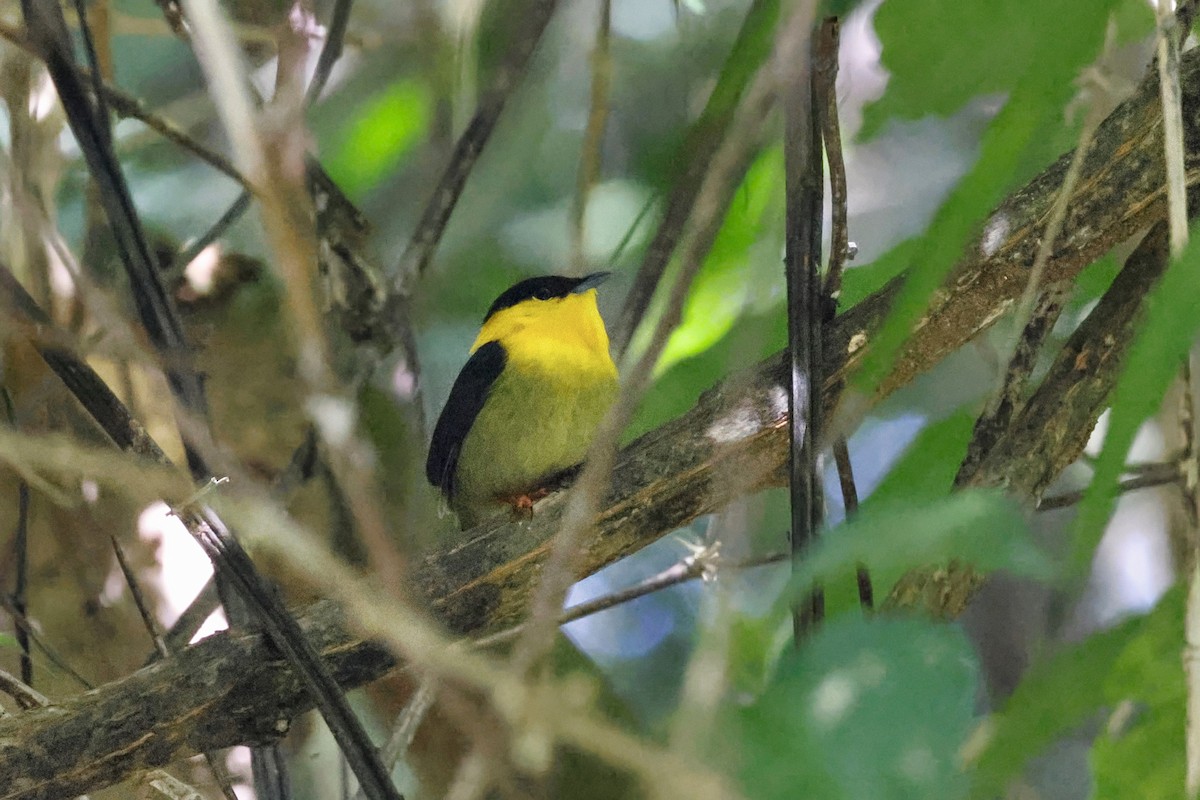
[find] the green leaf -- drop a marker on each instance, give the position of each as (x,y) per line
(1056,696)
(1147,761)
(925,472)
(1062,692)
(1145,756)
(1038,64)
(942,55)
(867,708)
(732,278)
(7,640)
(1152,362)
(860,282)
(377,137)
(981,527)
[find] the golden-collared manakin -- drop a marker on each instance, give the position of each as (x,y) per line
(526,405)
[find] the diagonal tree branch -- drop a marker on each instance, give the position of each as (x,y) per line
(666,479)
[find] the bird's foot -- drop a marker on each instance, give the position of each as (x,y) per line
(522,504)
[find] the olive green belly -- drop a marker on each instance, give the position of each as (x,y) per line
(535,423)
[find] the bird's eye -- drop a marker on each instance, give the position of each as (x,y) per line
(542,294)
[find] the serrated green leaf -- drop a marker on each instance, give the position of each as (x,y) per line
(867,708)
(1152,362)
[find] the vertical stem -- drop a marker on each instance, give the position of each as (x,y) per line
(805,179)
(1189,465)
(1168,78)
(593,138)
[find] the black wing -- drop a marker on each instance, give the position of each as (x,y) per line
(467,397)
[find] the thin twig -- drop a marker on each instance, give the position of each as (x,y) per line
(155,310)
(593,137)
(98,76)
(225,552)
(331,51)
(700,565)
(1039,306)
(1191,653)
(20,553)
(160,646)
(126,105)
(203,605)
(20,589)
(825,101)
(1173,144)
(428,233)
(1162,475)
(139,599)
(408,722)
(35,638)
(218,229)
(845,470)
(26,696)
(825,71)
(275,168)
(1177,219)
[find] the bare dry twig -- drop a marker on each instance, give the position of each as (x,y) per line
(593,137)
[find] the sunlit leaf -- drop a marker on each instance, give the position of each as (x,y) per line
(1142,755)
(377,138)
(731,276)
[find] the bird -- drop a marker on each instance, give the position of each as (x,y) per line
(526,405)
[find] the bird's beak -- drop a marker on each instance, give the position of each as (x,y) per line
(590,282)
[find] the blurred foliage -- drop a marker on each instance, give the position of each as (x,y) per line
(867,708)
(885,706)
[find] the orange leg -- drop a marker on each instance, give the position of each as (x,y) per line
(522,504)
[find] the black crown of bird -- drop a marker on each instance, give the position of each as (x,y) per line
(526,405)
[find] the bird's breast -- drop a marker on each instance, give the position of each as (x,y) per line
(539,418)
